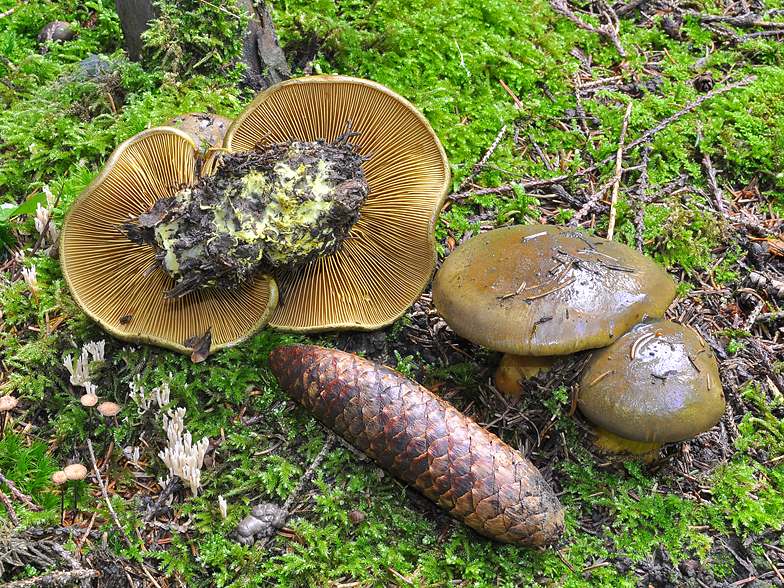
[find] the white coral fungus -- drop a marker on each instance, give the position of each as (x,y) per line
(183,458)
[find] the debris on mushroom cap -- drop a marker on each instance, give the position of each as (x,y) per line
(88,400)
(276,206)
(113,279)
(75,471)
(657,383)
(205,129)
(8,402)
(546,290)
(59,477)
(108,409)
(57,30)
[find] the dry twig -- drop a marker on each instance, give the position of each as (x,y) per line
(106,495)
(481,163)
(617,177)
(609,30)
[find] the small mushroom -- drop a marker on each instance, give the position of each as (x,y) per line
(57,30)
(75,472)
(89,400)
(547,291)
(205,129)
(59,478)
(368,281)
(658,383)
(7,403)
(109,409)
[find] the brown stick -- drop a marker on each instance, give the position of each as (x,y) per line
(609,31)
(480,164)
(28,500)
(713,184)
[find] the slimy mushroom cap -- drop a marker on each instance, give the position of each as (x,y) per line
(657,383)
(547,290)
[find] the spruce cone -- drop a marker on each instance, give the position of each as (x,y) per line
(425,441)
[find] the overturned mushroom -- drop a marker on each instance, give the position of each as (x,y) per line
(546,291)
(363,274)
(656,384)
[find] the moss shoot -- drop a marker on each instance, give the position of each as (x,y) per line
(277,206)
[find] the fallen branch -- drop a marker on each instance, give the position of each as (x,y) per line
(28,500)
(54,579)
(713,185)
(481,163)
(482,192)
(644,138)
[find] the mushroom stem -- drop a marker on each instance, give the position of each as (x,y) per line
(615,444)
(514,369)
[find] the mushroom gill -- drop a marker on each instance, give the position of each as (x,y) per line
(112,278)
(390,254)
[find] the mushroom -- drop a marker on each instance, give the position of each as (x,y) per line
(7,403)
(75,472)
(58,479)
(547,291)
(368,280)
(207,130)
(89,400)
(109,409)
(658,383)
(113,280)
(57,30)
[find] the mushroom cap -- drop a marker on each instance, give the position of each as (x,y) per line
(59,477)
(111,278)
(75,471)
(658,383)
(8,402)
(57,30)
(88,400)
(390,253)
(547,290)
(205,129)
(108,409)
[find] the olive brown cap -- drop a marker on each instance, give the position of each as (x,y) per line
(390,253)
(206,129)
(658,383)
(112,278)
(547,290)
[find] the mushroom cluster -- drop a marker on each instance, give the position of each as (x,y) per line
(539,292)
(365,281)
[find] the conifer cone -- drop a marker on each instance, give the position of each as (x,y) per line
(425,441)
